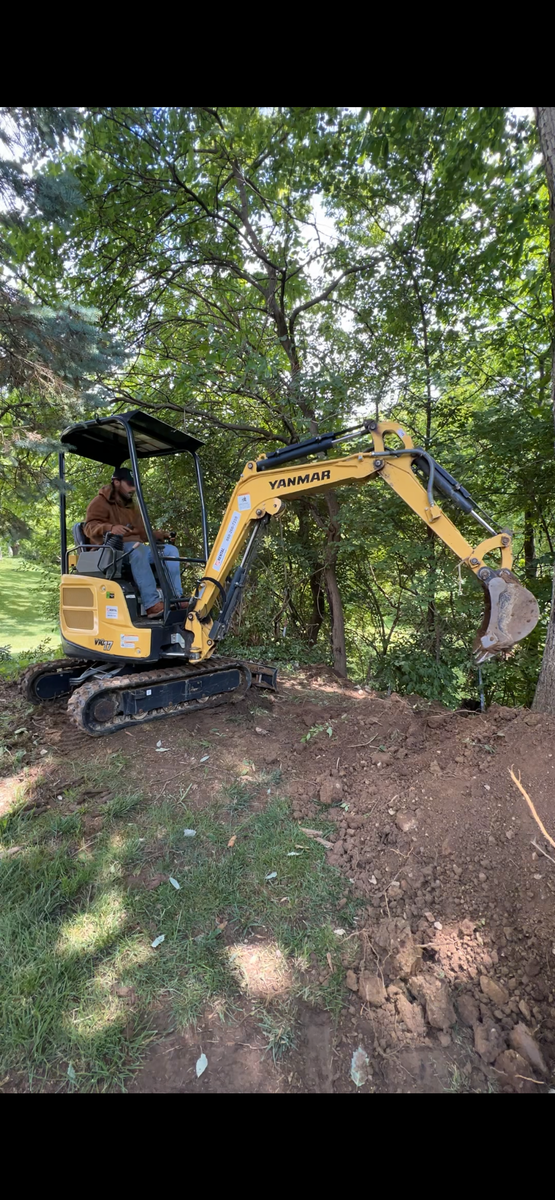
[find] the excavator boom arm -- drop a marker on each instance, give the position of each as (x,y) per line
(260,494)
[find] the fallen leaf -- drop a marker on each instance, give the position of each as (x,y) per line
(159,743)
(339,932)
(189,833)
(232,841)
(71,1073)
(205,758)
(259,730)
(359,1067)
(330,964)
(158,940)
(311,832)
(201,1066)
(162,750)
(272,875)
(175,884)
(322,842)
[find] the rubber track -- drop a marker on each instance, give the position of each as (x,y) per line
(78,702)
(27,679)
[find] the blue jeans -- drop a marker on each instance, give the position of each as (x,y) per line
(140,559)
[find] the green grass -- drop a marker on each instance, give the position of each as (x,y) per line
(73,928)
(21,605)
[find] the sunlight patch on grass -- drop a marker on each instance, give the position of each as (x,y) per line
(263,970)
(90,931)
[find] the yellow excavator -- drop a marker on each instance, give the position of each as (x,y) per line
(123,669)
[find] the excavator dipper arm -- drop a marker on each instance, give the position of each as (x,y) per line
(511,610)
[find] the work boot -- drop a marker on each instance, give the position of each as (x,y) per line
(156,610)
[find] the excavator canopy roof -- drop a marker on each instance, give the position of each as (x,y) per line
(105,439)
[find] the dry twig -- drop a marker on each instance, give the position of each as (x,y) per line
(542,851)
(531,807)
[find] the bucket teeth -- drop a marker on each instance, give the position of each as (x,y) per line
(511,612)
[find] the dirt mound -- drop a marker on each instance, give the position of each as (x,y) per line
(432,832)
(449,969)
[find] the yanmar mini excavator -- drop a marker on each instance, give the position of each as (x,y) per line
(123,669)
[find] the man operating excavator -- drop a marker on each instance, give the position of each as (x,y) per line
(113,511)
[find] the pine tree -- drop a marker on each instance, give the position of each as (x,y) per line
(54,358)
(44,350)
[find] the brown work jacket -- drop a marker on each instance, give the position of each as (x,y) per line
(104,511)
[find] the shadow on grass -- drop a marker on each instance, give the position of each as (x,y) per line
(89,889)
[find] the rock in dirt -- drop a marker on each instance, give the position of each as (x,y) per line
(434,995)
(371,989)
(488,1041)
(411,1014)
(395,944)
(468,1010)
(331,791)
(522,1041)
(405,821)
(510,1064)
(351,979)
(494,992)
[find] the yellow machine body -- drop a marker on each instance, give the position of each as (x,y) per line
(94,616)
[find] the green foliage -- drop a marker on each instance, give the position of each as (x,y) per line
(280,271)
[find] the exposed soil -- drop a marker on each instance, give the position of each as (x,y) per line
(450,970)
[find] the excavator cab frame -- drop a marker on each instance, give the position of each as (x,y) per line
(132,436)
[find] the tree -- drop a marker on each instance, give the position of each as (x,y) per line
(199,237)
(198,224)
(48,352)
(544,700)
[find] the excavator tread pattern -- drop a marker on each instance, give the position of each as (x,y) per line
(29,678)
(84,699)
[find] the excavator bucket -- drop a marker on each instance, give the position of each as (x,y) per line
(511,613)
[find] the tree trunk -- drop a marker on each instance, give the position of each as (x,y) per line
(544,699)
(318,607)
(530,567)
(332,587)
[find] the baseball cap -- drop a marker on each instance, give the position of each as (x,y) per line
(125,474)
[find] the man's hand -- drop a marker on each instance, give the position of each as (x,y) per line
(121,530)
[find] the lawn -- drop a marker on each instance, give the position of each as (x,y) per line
(98,930)
(22,623)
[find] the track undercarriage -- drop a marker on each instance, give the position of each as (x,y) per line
(105,699)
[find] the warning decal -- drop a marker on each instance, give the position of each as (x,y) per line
(218,562)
